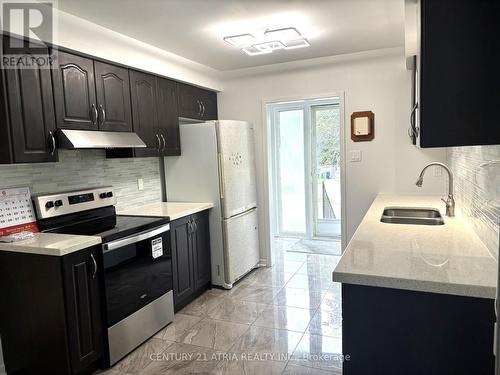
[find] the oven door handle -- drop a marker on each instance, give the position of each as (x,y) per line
(135,238)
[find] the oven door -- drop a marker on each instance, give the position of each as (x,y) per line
(137,270)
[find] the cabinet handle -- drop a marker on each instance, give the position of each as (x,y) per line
(195,226)
(412,129)
(103,114)
(221,177)
(95,265)
(52,143)
(203,109)
(159,142)
(94,112)
(199,107)
(164,142)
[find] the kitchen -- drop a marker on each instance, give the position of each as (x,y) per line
(128,79)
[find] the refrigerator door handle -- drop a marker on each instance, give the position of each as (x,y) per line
(221,176)
(247,212)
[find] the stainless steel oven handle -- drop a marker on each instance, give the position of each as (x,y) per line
(135,238)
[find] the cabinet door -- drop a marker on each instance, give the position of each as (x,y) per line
(201,251)
(209,105)
(74,92)
(83,309)
(182,261)
(168,116)
(189,101)
(32,117)
(460,57)
(145,120)
(113,97)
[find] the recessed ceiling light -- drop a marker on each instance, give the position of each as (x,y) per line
(252,51)
(298,43)
(241,40)
(269,46)
(286,33)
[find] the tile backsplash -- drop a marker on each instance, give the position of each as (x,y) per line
(477,189)
(88,168)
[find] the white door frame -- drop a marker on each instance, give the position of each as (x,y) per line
(267,166)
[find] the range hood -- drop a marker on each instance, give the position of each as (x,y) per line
(73,139)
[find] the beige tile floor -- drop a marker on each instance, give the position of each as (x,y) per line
(280,320)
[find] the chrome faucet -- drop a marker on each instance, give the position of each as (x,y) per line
(450,201)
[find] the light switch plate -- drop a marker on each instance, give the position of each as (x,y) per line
(355,156)
(140,184)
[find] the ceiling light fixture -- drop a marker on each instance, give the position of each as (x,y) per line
(268,40)
(298,43)
(283,34)
(241,40)
(269,46)
(252,51)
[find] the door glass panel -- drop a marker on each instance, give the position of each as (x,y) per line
(291,183)
(326,155)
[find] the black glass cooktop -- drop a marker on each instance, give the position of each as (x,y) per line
(102,222)
(128,225)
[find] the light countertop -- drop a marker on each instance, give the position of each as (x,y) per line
(51,244)
(173,210)
(446,259)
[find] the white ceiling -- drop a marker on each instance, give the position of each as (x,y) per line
(194,28)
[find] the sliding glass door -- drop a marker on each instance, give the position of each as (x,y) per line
(290,166)
(306,168)
(325,129)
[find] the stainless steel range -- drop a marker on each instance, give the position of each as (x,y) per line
(136,262)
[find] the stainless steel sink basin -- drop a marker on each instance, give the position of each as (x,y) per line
(412,215)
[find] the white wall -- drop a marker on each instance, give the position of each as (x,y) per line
(371,81)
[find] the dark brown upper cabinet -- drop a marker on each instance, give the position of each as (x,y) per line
(209,105)
(91,95)
(28,121)
(452,47)
(144,114)
(168,116)
(74,93)
(197,103)
(113,97)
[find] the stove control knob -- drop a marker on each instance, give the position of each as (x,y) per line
(49,205)
(58,203)
(109,194)
(102,195)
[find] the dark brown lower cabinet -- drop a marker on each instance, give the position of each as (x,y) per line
(50,320)
(190,242)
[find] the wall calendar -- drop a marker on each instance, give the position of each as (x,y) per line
(16,212)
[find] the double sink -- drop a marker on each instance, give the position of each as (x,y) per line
(412,215)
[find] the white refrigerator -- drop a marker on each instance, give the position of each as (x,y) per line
(218,165)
